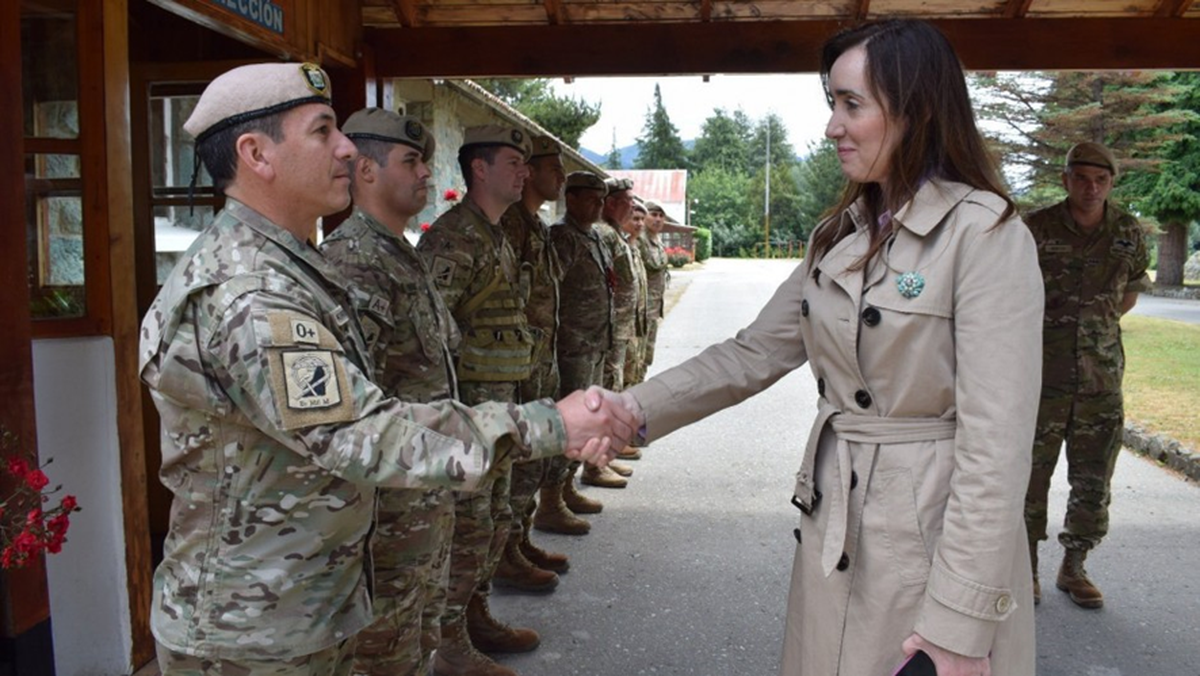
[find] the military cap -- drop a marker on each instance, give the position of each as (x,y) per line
(497,135)
(543,146)
(384,125)
(250,92)
(616,185)
(1092,154)
(640,206)
(652,206)
(586,180)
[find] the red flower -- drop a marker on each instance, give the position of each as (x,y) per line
(450,195)
(36,479)
(69,503)
(34,516)
(424,227)
(18,466)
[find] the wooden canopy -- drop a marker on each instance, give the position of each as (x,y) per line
(461,38)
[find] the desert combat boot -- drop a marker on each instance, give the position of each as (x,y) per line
(1073,579)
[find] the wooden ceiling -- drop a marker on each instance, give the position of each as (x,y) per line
(464,38)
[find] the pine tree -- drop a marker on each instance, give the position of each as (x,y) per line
(820,182)
(614,155)
(564,116)
(659,146)
(724,142)
(720,201)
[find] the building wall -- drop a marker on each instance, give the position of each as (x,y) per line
(75,399)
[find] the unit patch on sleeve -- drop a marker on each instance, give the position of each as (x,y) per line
(443,271)
(311,379)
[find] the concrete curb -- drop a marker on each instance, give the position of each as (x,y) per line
(1163,449)
(1177,292)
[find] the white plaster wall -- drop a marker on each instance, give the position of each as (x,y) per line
(75,395)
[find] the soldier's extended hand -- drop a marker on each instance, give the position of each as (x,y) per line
(596,431)
(598,396)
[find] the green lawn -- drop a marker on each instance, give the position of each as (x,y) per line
(1162,376)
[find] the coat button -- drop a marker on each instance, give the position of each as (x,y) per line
(821,387)
(796,532)
(863,398)
(871,316)
(804,308)
(844,562)
(853,479)
(1003,604)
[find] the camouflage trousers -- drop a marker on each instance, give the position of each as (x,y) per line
(411,553)
(576,372)
(332,661)
(633,362)
(482,519)
(1092,426)
(528,477)
(648,346)
(614,365)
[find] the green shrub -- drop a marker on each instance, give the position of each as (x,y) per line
(703,244)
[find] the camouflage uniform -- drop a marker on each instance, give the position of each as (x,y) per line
(539,277)
(625,304)
(1086,277)
(633,355)
(654,258)
(477,274)
(409,333)
(274,440)
(585,314)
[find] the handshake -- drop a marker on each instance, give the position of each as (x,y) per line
(599,423)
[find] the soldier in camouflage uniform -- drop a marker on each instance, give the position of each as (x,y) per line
(618,209)
(631,233)
(524,565)
(409,333)
(274,436)
(1093,259)
(584,336)
(478,275)
(654,258)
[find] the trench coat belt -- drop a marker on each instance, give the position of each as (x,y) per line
(856,428)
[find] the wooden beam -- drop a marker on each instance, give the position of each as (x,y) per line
(406,12)
(1172,8)
(706,10)
(864,8)
(578,50)
(1015,9)
(554,12)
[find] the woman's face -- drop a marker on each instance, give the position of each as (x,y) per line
(860,124)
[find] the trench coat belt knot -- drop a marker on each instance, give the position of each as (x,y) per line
(856,428)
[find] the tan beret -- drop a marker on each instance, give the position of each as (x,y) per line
(652,206)
(586,180)
(1092,154)
(384,125)
(497,135)
(250,92)
(544,146)
(616,185)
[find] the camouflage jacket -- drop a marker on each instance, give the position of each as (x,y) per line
(1086,277)
(642,300)
(478,275)
(273,440)
(540,273)
(408,329)
(654,258)
(626,292)
(585,315)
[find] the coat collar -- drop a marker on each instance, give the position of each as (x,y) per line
(930,205)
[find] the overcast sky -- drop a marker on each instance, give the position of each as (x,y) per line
(797,99)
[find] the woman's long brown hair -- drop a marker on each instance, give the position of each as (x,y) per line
(912,68)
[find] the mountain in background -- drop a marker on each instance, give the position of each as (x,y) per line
(629,154)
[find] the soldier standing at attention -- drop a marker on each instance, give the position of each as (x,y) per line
(631,233)
(275,437)
(524,565)
(654,258)
(478,274)
(618,208)
(409,333)
(1093,259)
(584,337)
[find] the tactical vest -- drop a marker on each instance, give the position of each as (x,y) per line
(497,345)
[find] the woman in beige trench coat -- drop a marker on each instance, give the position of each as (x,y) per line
(919,311)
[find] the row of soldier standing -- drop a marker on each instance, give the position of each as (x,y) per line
(340,426)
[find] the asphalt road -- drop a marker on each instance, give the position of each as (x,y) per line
(1168,308)
(686,570)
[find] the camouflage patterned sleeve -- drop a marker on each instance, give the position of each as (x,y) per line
(448,249)
(1139,281)
(287,374)
(564,246)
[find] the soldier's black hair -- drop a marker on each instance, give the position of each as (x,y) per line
(468,154)
(218,152)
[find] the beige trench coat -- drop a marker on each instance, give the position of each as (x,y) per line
(914,480)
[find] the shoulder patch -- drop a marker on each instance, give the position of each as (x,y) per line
(379,304)
(311,379)
(442,270)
